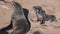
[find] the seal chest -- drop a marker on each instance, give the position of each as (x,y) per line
(20,24)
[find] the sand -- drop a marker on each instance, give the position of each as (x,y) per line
(51,7)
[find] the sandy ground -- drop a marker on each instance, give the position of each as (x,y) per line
(5,14)
(51,7)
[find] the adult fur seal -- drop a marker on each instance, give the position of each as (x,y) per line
(20,24)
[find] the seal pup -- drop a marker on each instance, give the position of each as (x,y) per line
(20,24)
(42,16)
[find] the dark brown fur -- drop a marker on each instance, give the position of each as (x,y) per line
(42,16)
(20,24)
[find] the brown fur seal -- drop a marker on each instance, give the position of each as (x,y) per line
(42,16)
(20,24)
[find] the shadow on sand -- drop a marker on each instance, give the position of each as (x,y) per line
(26,12)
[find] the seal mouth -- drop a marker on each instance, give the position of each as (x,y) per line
(35,8)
